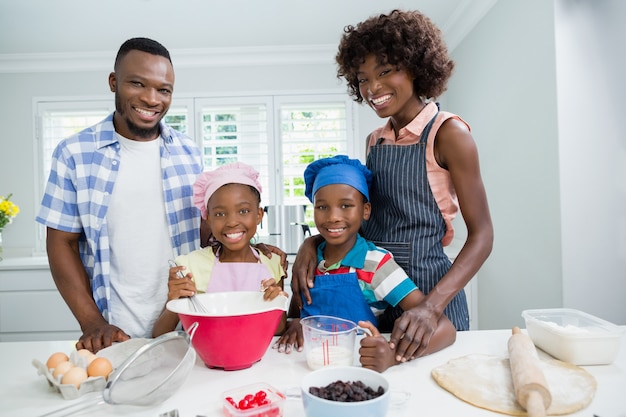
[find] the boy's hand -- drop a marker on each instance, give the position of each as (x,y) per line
(375,352)
(292,337)
(303,270)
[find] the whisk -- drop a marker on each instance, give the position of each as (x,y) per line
(196,304)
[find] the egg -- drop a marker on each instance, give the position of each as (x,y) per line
(74,376)
(62,368)
(87,355)
(100,366)
(84,352)
(55,359)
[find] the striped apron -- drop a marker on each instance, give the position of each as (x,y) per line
(406,220)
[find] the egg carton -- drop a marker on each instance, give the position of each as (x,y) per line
(116,354)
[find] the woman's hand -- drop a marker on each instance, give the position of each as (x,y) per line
(375,352)
(303,270)
(412,332)
(293,337)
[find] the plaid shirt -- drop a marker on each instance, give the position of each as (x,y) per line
(82,177)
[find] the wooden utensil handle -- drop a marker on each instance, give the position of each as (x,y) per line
(531,388)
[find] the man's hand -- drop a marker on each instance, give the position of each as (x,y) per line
(100,337)
(268,250)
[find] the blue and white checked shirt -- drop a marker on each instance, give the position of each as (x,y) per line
(82,178)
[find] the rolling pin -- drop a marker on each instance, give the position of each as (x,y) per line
(531,388)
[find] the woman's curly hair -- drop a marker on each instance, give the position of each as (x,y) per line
(407,39)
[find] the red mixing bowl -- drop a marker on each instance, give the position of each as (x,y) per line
(237,329)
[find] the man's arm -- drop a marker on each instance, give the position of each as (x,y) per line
(73,284)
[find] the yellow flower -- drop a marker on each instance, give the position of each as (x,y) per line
(8,211)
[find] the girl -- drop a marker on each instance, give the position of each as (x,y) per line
(229,200)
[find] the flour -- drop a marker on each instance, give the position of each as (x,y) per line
(567,328)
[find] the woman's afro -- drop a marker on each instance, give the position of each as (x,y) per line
(406,39)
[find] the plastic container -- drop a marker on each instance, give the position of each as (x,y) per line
(573,336)
(328,341)
(237,328)
(274,408)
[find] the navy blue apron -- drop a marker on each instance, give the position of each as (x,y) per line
(406,220)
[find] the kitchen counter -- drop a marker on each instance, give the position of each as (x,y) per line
(25,393)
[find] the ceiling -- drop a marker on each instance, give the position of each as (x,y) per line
(82,26)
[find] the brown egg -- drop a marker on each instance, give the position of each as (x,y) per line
(62,368)
(55,359)
(74,376)
(100,366)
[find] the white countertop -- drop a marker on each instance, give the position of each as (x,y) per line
(24,262)
(24,393)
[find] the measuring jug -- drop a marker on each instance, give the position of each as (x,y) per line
(328,341)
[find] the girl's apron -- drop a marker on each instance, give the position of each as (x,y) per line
(406,220)
(338,295)
(237,276)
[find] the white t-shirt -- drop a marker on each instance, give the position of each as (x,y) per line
(139,239)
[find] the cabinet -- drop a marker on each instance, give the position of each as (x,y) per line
(31,307)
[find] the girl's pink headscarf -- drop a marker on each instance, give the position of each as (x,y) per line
(208,182)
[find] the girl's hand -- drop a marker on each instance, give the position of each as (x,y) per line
(375,352)
(180,287)
(292,337)
(271,289)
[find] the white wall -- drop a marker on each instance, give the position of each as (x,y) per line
(592,154)
(504,86)
(535,85)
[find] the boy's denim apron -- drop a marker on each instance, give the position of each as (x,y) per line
(338,295)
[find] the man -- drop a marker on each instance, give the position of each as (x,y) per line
(118,203)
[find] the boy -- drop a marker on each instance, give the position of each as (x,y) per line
(355,279)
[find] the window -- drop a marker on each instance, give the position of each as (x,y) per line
(238,130)
(277,134)
(309,131)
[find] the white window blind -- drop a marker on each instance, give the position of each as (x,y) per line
(277,134)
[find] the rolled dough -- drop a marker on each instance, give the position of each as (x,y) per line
(485,381)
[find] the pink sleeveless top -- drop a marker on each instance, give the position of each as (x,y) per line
(438,177)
